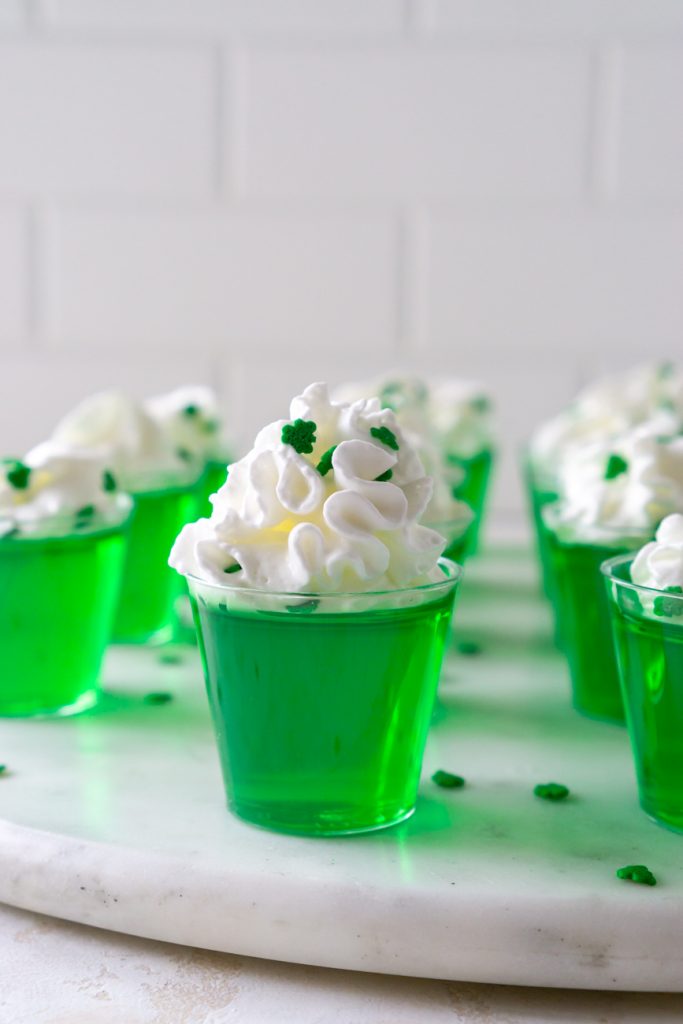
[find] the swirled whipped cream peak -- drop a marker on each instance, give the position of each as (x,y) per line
(627,484)
(608,408)
(409,398)
(54,490)
(328,501)
(122,432)
(191,418)
(659,564)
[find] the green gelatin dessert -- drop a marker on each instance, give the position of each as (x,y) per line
(149,588)
(648,634)
(321,714)
(215,475)
(583,617)
(473,488)
(540,493)
(57,601)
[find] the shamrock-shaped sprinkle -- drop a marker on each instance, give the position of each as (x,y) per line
(669,607)
(184,454)
(108,481)
(387,475)
(300,435)
(386,436)
(325,464)
(158,698)
(18,476)
(235,567)
(447,780)
(469,648)
(86,512)
(551,791)
(191,411)
(615,467)
(637,873)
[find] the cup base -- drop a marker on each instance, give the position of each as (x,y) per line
(157,638)
(664,820)
(272,820)
(28,710)
(596,716)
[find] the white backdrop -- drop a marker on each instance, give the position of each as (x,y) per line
(256,193)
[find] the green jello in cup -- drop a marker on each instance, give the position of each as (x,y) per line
(321,703)
(541,490)
(322,610)
(145,608)
(473,488)
(648,636)
(583,616)
(57,601)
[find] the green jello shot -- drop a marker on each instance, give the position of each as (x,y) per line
(583,617)
(473,489)
(321,703)
(648,636)
(149,588)
(541,491)
(57,601)
(214,476)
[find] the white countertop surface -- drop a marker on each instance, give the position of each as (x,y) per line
(55,972)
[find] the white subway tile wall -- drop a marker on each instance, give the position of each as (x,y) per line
(256,193)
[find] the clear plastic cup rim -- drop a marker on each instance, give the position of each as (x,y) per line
(610,565)
(454,577)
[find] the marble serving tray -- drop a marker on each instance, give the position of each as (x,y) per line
(117,819)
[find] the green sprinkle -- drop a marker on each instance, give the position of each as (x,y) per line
(235,567)
(469,648)
(551,791)
(325,464)
(86,512)
(669,607)
(184,454)
(191,410)
(637,873)
(3,769)
(304,608)
(384,476)
(386,436)
(447,780)
(615,467)
(18,477)
(170,658)
(300,435)
(158,698)
(108,481)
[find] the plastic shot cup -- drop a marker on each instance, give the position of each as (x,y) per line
(473,488)
(583,614)
(149,588)
(541,490)
(648,636)
(321,703)
(57,602)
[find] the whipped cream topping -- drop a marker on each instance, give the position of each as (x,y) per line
(627,485)
(325,502)
(461,412)
(191,419)
(54,491)
(659,564)
(128,439)
(608,408)
(453,414)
